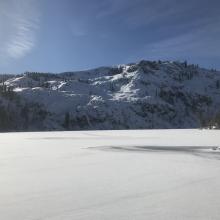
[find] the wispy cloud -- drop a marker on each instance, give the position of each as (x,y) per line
(170,29)
(200,45)
(19,21)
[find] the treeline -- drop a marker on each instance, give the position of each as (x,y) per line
(20,116)
(214,122)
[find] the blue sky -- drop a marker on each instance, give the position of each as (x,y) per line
(65,35)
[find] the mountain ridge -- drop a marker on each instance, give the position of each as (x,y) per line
(143,95)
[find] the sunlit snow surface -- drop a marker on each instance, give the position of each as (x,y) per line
(114,175)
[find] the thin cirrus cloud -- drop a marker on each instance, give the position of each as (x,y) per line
(172,29)
(66,32)
(19,22)
(198,44)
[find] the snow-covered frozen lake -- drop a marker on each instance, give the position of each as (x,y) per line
(106,175)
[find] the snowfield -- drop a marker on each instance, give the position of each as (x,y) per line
(106,175)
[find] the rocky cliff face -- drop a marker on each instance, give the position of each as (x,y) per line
(133,96)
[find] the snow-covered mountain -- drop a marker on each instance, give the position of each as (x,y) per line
(138,95)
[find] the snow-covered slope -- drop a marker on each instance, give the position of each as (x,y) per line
(140,95)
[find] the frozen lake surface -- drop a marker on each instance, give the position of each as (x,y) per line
(110,175)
